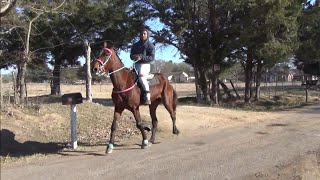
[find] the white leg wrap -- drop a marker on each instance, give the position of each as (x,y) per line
(110,146)
(145,142)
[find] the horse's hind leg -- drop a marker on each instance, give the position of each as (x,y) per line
(171,108)
(117,114)
(153,108)
(141,127)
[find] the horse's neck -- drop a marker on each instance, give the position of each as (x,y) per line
(121,79)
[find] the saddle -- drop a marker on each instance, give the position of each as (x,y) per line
(151,81)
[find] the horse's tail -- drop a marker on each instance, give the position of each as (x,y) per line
(167,87)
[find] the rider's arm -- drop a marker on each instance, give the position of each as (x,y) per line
(133,53)
(150,53)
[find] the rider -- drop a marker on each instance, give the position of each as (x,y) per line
(143,52)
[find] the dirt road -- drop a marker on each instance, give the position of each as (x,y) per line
(284,147)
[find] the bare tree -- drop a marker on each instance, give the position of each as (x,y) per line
(27,55)
(8,5)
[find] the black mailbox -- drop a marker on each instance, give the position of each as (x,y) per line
(312,82)
(71,98)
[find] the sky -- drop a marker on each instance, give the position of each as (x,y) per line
(167,53)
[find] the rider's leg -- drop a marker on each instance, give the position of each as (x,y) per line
(143,71)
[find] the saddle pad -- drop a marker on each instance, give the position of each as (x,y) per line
(153,80)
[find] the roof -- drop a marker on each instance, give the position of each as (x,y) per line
(176,73)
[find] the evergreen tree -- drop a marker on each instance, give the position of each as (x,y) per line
(308,54)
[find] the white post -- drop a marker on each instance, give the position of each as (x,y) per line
(74,126)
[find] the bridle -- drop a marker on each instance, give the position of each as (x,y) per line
(103,72)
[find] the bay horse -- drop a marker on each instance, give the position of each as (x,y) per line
(126,95)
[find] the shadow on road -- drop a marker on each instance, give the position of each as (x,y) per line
(9,146)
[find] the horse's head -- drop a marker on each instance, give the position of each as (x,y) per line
(102,64)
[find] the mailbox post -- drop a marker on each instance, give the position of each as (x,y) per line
(73,99)
(308,84)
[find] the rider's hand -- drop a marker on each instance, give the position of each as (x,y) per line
(137,57)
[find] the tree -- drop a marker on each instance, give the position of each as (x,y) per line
(268,34)
(308,54)
(66,33)
(6,6)
(187,27)
(27,13)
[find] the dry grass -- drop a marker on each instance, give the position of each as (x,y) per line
(27,132)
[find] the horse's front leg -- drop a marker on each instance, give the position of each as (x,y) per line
(141,127)
(116,117)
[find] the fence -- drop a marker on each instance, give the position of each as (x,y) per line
(35,90)
(103,91)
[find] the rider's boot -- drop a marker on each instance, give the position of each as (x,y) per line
(145,95)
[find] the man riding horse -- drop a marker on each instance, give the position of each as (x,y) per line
(143,52)
(125,93)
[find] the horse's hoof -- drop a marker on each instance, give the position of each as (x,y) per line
(151,141)
(176,131)
(109,151)
(144,146)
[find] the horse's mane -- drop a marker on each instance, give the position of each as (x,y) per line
(115,52)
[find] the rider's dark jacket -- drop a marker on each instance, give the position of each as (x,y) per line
(146,48)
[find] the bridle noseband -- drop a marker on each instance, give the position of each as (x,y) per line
(102,71)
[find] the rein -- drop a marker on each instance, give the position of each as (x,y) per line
(102,68)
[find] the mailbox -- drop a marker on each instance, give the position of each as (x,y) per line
(312,82)
(71,98)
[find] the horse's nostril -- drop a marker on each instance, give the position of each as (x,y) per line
(94,69)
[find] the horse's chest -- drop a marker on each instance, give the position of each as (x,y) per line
(123,99)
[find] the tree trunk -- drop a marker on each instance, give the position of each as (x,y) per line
(196,78)
(226,90)
(203,85)
(252,83)
(215,87)
(234,89)
(88,74)
(258,80)
(248,76)
(55,88)
(14,79)
(1,91)
(21,80)
(7,7)
(18,80)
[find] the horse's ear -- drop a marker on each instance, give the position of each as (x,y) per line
(109,44)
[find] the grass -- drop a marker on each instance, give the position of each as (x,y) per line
(41,127)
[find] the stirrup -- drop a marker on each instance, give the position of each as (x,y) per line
(147,102)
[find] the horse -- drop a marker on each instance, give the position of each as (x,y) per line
(126,95)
